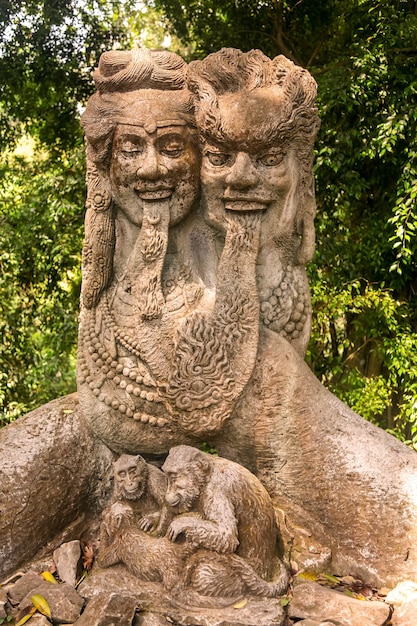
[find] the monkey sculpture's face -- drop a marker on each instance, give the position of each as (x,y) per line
(130,474)
(184,487)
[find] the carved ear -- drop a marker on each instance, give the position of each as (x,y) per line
(203,464)
(99,239)
(305,228)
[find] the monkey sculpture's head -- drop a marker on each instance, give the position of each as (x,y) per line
(188,471)
(131,476)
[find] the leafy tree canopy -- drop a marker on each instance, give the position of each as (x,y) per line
(363,55)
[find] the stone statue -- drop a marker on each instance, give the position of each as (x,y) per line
(195,317)
(212,545)
(142,486)
(141,227)
(226,497)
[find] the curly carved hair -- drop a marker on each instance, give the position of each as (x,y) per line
(122,79)
(295,121)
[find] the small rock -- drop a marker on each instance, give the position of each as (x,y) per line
(24,586)
(114,609)
(65,603)
(67,560)
(315,602)
(3,602)
(39,620)
(403,592)
(405,615)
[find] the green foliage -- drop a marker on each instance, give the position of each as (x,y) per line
(48,49)
(364,275)
(363,55)
(41,229)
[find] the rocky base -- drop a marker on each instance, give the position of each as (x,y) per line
(115,597)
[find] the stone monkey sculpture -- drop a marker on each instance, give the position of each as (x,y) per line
(221,507)
(143,485)
(153,559)
(180,566)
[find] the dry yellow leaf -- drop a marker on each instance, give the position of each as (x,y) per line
(41,604)
(49,577)
(308,575)
(26,617)
(241,604)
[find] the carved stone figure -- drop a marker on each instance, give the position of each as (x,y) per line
(228,537)
(227,499)
(142,240)
(257,122)
(142,485)
(153,559)
(194,322)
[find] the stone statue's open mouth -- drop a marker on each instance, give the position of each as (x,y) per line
(245,204)
(155,193)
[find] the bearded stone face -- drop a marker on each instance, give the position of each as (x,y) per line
(247,170)
(154,160)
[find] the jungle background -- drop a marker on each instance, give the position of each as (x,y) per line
(363,55)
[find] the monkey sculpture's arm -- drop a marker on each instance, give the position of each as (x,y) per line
(217,531)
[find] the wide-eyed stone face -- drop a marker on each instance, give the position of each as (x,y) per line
(153,165)
(247,170)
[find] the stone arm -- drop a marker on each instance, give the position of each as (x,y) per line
(107,554)
(220,533)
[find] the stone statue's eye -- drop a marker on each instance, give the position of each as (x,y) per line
(173,149)
(218,158)
(131,150)
(271,158)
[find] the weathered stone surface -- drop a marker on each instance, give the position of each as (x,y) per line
(115,609)
(315,602)
(150,619)
(3,602)
(39,620)
(50,482)
(151,598)
(405,614)
(65,603)
(404,599)
(24,585)
(67,560)
(312,622)
(403,592)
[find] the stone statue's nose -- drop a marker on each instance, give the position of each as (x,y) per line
(151,167)
(243,172)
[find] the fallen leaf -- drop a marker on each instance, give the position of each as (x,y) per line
(241,604)
(284,601)
(308,576)
(81,578)
(41,604)
(49,577)
(27,615)
(330,579)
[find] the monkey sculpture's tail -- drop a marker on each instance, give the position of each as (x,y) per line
(228,575)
